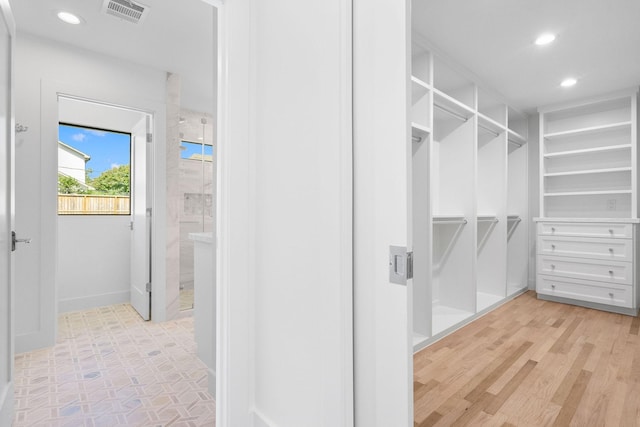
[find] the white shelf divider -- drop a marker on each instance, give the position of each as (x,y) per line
(588,150)
(588,130)
(587,193)
(589,171)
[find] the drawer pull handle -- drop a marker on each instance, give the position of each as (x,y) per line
(553,286)
(611,230)
(610,249)
(553,247)
(553,266)
(611,294)
(610,271)
(553,229)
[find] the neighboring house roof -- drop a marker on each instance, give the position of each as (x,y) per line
(82,184)
(70,148)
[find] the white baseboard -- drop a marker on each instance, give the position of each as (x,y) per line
(6,406)
(93,301)
(260,420)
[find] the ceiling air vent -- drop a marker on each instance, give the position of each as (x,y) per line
(126,9)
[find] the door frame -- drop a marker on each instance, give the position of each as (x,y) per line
(50,91)
(383,211)
(8,348)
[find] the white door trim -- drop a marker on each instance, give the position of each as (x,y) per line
(382,209)
(50,90)
(7,323)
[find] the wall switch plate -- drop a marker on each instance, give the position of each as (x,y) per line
(611,204)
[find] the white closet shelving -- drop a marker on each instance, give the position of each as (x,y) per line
(589,188)
(469,220)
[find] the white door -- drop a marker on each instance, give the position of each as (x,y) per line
(382,212)
(7,32)
(140,221)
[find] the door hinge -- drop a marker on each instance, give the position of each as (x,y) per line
(149,137)
(148,287)
(400,265)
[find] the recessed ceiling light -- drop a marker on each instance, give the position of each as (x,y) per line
(545,38)
(568,82)
(69,18)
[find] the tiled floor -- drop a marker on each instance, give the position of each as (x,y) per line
(109,368)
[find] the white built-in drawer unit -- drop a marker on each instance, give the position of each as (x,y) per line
(588,263)
(587,233)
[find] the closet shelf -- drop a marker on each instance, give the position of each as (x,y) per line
(487,218)
(587,193)
(490,125)
(416,82)
(449,219)
(515,138)
(588,150)
(588,130)
(419,132)
(452,106)
(588,171)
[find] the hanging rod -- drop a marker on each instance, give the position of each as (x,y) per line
(451,113)
(491,131)
(450,220)
(488,220)
(514,142)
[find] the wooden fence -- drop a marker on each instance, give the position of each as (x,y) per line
(92,204)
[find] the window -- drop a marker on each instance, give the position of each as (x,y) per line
(93,171)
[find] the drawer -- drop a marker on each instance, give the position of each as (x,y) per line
(586,229)
(585,290)
(588,269)
(584,247)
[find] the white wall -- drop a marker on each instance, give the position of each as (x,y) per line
(533,146)
(38,63)
(286,280)
(93,261)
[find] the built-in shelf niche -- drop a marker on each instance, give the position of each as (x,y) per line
(589,116)
(587,162)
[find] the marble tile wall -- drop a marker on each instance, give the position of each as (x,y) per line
(173,195)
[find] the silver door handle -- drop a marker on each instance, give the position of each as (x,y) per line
(15,240)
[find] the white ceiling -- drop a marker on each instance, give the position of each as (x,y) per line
(598,42)
(177,36)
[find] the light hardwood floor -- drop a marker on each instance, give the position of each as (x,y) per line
(532,363)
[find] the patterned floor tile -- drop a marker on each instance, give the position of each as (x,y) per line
(109,368)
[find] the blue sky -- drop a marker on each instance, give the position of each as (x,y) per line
(107,149)
(190,148)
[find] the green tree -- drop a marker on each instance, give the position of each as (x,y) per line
(114,181)
(69,185)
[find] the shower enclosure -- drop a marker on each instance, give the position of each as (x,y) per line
(197,195)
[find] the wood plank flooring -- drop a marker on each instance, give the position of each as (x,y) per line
(532,363)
